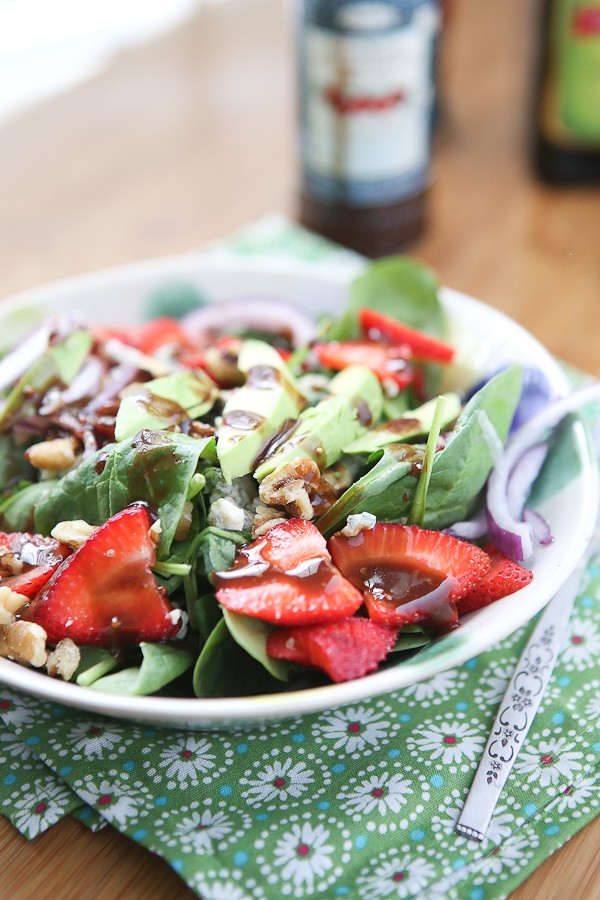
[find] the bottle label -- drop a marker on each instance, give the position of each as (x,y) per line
(572,109)
(367,99)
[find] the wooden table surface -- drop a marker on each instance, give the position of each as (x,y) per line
(186,139)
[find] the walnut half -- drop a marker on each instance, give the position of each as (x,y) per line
(63,660)
(23,642)
(298,487)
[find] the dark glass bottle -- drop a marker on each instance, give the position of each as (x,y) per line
(366,97)
(567,116)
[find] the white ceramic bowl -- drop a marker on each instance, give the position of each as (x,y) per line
(487,339)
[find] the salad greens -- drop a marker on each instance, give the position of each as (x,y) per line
(238,435)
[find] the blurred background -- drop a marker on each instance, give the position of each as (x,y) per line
(130,130)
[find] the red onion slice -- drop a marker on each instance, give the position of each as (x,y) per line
(269,314)
(539,526)
(512,537)
(19,360)
(521,479)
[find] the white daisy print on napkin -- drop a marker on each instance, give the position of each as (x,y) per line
(353,729)
(450,743)
(379,793)
(549,761)
(279,780)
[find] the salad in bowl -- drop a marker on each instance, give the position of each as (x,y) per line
(247,499)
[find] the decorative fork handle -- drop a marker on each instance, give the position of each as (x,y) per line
(517,709)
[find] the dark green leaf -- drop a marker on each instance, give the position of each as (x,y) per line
(155,467)
(461,469)
(95,663)
(224,669)
(17,512)
(161,664)
(399,287)
(252,634)
(386,490)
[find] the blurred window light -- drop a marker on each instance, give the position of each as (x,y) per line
(47,47)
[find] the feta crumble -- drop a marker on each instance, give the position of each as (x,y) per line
(225,514)
(360,522)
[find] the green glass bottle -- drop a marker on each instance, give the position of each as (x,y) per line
(567,138)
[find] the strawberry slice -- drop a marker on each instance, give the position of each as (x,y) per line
(287,545)
(39,557)
(149,337)
(286,578)
(105,593)
(344,650)
(387,363)
(409,574)
(503,578)
(377,326)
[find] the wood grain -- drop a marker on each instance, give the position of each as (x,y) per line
(187,138)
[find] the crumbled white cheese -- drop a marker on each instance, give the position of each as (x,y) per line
(179,616)
(360,522)
(225,514)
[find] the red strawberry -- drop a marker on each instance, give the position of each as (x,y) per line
(409,574)
(387,363)
(40,557)
(344,650)
(286,578)
(147,338)
(290,543)
(105,592)
(503,578)
(424,346)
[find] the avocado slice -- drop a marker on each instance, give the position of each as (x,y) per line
(255,412)
(414,423)
(355,402)
(164,402)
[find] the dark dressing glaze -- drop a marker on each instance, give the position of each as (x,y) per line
(243,420)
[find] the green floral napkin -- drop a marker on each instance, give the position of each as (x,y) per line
(358,802)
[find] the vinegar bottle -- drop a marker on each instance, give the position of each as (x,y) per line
(567,136)
(366,105)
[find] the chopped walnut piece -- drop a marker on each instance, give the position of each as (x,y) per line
(74,533)
(63,660)
(265,518)
(297,486)
(9,563)
(56,455)
(10,602)
(24,642)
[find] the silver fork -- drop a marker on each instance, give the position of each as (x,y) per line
(520,704)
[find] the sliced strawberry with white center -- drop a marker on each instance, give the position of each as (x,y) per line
(409,574)
(286,578)
(347,649)
(105,594)
(38,557)
(503,578)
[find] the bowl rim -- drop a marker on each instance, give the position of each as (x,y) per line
(214,712)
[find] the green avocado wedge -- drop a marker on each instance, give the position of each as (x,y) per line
(354,403)
(256,411)
(414,423)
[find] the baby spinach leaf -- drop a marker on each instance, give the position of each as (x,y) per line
(562,464)
(409,638)
(386,490)
(13,464)
(252,634)
(95,662)
(155,467)
(461,469)
(161,664)
(399,287)
(224,669)
(17,512)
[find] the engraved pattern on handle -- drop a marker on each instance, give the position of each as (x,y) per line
(517,710)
